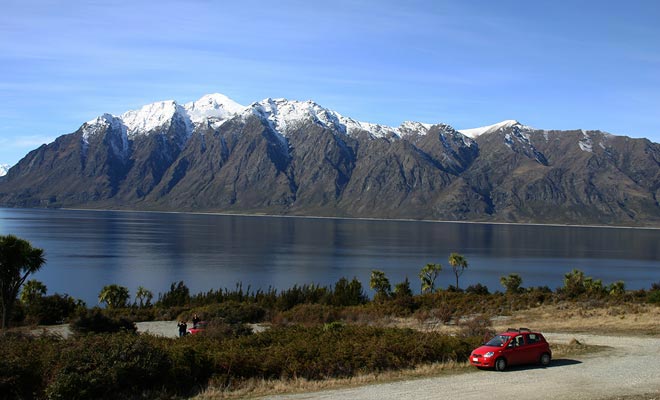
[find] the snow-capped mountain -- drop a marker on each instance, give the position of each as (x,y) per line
(214,109)
(296,157)
(157,117)
(4,168)
(500,126)
(282,114)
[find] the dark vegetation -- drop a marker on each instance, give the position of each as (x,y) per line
(315,333)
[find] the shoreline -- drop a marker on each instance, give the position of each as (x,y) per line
(209,213)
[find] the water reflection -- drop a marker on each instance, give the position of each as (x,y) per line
(88,249)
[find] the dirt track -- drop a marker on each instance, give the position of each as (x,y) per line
(630,367)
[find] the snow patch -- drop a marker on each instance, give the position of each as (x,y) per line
(476,132)
(103,124)
(215,108)
(152,117)
(408,127)
(285,115)
(585,143)
(4,168)
(100,125)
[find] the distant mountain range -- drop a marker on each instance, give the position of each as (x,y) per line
(278,156)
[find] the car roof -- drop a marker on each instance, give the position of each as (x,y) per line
(516,332)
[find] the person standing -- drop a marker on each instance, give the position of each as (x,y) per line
(183,327)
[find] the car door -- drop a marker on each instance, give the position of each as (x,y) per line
(516,350)
(535,347)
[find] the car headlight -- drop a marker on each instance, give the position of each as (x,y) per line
(489,354)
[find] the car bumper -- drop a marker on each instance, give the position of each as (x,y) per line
(482,362)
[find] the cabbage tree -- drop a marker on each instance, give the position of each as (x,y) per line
(18,259)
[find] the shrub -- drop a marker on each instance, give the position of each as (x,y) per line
(539,295)
(512,283)
(221,330)
(478,326)
(616,289)
(454,289)
(443,314)
(653,297)
(402,290)
(308,314)
(334,351)
(109,366)
(55,309)
(304,294)
(94,321)
(231,312)
(178,295)
(594,287)
(381,284)
(573,283)
(347,293)
(477,289)
(25,362)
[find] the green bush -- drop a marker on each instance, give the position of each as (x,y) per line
(55,309)
(177,296)
(477,289)
(109,367)
(304,294)
(319,352)
(231,312)
(95,321)
(653,297)
(347,293)
(512,283)
(25,362)
(220,329)
(308,314)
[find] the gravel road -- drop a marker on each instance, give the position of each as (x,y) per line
(630,367)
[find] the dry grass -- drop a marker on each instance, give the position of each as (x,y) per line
(258,388)
(626,319)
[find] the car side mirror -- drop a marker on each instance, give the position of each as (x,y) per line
(510,346)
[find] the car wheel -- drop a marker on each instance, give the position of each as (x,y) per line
(500,364)
(545,359)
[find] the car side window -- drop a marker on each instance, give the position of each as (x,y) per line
(519,341)
(532,338)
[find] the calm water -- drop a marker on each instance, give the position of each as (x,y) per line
(86,250)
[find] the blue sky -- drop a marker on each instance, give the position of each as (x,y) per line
(549,64)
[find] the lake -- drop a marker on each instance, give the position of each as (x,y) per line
(86,250)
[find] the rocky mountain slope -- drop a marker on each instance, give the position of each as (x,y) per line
(298,158)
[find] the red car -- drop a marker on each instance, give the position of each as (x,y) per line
(200,327)
(513,347)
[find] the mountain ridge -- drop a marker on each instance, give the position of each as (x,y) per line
(292,157)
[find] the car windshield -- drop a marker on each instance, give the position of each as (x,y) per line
(498,341)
